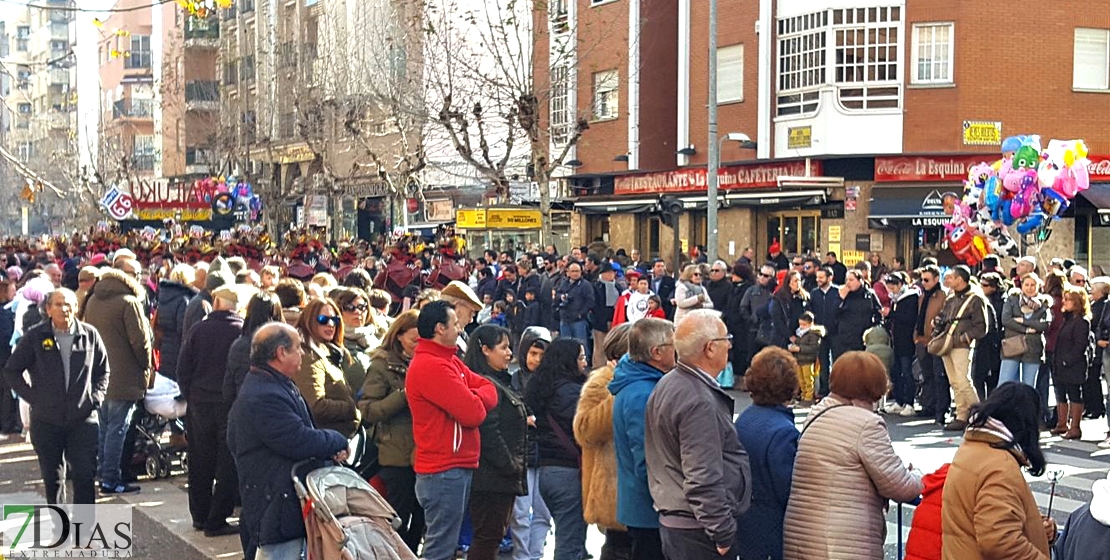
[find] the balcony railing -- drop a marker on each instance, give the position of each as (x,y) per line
(202,95)
(133,108)
(202,32)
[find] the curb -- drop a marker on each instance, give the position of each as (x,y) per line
(167,505)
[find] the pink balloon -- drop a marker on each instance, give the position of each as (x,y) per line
(1080,175)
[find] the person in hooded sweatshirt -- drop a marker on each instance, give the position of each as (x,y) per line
(531,520)
(1087,535)
(650,356)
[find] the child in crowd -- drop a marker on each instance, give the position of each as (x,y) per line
(530,312)
(633,303)
(498,314)
(877,341)
(806,346)
(655,307)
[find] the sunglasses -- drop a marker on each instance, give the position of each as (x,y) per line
(696,274)
(323,320)
(716,270)
(765,275)
(798,264)
(350,308)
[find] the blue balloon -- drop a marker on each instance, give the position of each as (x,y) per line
(1031,223)
(1005,215)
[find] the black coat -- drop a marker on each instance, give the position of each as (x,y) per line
(51,401)
(858,312)
(824,306)
(173,300)
(784,319)
(901,321)
(269,430)
(1100,317)
(238,364)
(575,300)
(504,434)
(665,291)
(1069,362)
(737,326)
(719,291)
(204,355)
(557,449)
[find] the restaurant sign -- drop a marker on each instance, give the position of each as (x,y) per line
(955,168)
(750,176)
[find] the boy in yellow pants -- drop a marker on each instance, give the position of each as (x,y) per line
(805,345)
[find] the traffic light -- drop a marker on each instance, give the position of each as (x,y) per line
(671,208)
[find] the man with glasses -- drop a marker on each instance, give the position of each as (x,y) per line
(719,285)
(1077,276)
(809,273)
(115,309)
(753,309)
(935,397)
(574,299)
(971,325)
(698,472)
(663,285)
(650,355)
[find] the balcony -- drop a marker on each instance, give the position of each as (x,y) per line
(133,109)
(59,30)
(59,76)
(202,33)
(199,160)
(202,95)
(58,121)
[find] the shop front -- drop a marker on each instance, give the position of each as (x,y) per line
(754,199)
(512,230)
(1092,216)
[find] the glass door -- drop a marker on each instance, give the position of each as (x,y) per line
(796,232)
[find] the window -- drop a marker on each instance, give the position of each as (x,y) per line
(606,89)
(866,68)
(142,152)
(1092,59)
(58,45)
(246,68)
(557,11)
(231,72)
(932,53)
(802,41)
(139,56)
(22,38)
(26,150)
(25,108)
(246,6)
(560,111)
(730,73)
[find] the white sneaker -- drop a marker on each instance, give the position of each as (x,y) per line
(907,411)
(1104,444)
(892,407)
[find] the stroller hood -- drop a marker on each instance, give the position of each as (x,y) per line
(345,493)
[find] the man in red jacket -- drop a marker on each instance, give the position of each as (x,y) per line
(448,402)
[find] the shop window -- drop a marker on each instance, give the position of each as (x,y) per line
(796,232)
(649,239)
(932,53)
(1091,70)
(598,229)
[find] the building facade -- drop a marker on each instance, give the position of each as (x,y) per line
(859,110)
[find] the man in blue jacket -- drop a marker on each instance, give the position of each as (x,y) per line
(269,430)
(574,298)
(650,355)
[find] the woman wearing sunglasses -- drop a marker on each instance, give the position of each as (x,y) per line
(359,338)
(322,380)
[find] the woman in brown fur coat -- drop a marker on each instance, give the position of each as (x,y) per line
(593,428)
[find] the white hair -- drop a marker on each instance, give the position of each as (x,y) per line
(694,331)
(724,266)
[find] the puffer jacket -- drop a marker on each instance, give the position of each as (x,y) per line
(988,510)
(1070,361)
(1039,321)
(322,382)
(501,466)
(845,472)
(687,296)
(926,534)
(877,341)
(115,309)
(902,319)
(593,430)
(385,408)
(559,408)
(173,299)
(632,385)
(809,345)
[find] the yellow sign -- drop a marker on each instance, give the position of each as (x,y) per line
(685,245)
(511,218)
(834,234)
(187,214)
(982,133)
(470,219)
(799,137)
(852,258)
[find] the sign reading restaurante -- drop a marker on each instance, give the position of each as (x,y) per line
(757,175)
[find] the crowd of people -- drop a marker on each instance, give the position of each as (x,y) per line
(558,391)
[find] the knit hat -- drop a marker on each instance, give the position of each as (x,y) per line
(775,247)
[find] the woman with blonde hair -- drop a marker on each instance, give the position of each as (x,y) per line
(174,295)
(689,294)
(593,429)
(322,379)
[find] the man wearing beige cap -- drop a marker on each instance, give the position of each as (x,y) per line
(466,304)
(200,373)
(85,280)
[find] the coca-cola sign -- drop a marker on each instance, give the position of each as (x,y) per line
(1099,169)
(733,177)
(927,168)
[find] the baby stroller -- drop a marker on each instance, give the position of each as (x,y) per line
(160,411)
(344,517)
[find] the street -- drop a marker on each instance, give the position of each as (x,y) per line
(161,515)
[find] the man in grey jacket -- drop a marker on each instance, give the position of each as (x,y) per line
(698,472)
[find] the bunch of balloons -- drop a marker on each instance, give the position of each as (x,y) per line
(1029,188)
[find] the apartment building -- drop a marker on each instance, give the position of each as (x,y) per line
(299,110)
(861,114)
(37,74)
(128,95)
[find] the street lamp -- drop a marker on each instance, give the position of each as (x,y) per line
(711,195)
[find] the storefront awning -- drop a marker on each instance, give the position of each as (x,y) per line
(921,206)
(758,198)
(625,206)
(1099,196)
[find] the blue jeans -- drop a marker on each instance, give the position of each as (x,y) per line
(531,522)
(115,419)
(577,329)
(288,550)
(1013,370)
(901,376)
(561,488)
(444,497)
